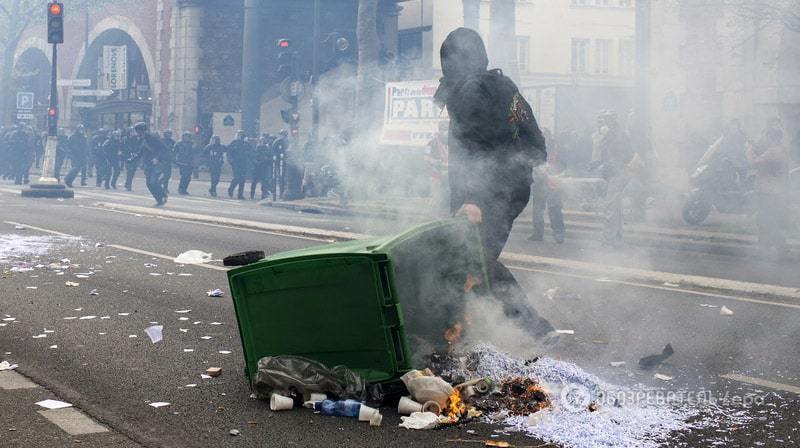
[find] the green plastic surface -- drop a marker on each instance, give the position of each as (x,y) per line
(351,303)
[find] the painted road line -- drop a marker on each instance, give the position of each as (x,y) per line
(120,247)
(601,270)
(235,222)
(11,380)
(661,288)
(762,383)
(208,224)
(73,421)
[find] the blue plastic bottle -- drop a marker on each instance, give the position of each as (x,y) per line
(341,408)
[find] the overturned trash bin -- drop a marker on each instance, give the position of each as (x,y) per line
(369,305)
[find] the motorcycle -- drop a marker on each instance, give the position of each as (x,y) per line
(717,183)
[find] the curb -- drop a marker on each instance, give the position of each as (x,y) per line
(608,272)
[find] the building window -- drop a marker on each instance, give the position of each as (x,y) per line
(626,57)
(410,46)
(579,47)
(523,53)
(602,49)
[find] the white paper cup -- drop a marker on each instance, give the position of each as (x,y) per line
(318,397)
(280,403)
(407,406)
(365,413)
(376,419)
(432,406)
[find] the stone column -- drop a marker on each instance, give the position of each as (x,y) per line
(185,65)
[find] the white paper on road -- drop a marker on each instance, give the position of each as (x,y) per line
(224,352)
(216,293)
(188,350)
(725,311)
(5,365)
(159,404)
(71,318)
(88,317)
(155,274)
(190,385)
(155,332)
(215,323)
(205,377)
(565,331)
(123,314)
(54,404)
(659,376)
(183,311)
(72,284)
(205,337)
(183,318)
(132,336)
(184,330)
(53,346)
(193,257)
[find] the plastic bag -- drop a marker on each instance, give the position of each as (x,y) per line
(295,376)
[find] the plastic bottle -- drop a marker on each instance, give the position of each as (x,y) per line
(341,408)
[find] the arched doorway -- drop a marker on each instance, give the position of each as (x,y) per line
(32,74)
(114,63)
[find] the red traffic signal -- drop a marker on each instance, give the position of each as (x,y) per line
(55,23)
(52,112)
(197,129)
(55,9)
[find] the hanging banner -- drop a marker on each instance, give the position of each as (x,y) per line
(115,67)
(411,118)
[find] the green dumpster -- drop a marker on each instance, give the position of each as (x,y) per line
(372,305)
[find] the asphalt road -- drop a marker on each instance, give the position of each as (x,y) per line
(112,376)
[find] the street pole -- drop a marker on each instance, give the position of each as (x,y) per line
(251,66)
(48,186)
(643,58)
(315,80)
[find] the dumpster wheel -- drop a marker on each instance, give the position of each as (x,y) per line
(243,258)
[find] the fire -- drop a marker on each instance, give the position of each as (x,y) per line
(471,282)
(453,335)
(455,406)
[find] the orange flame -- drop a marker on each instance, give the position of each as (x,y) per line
(453,335)
(471,282)
(455,406)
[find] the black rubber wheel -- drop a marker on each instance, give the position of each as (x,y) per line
(696,209)
(243,258)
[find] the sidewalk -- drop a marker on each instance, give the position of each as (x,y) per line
(738,233)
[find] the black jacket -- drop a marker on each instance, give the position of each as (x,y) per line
(494,138)
(239,154)
(215,154)
(77,147)
(184,154)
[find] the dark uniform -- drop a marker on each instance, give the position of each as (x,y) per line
(76,145)
(169,145)
(21,150)
(239,159)
(184,160)
(101,168)
(131,157)
(155,160)
(112,148)
(61,153)
(215,157)
(494,143)
(262,167)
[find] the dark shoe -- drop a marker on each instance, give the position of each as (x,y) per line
(129,188)
(536,237)
(83,184)
(241,198)
(559,237)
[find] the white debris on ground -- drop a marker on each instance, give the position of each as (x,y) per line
(641,425)
(13,247)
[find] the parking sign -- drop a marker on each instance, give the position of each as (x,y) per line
(25,100)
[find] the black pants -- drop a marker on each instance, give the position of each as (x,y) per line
(155,182)
(215,172)
(57,168)
(114,171)
(186,177)
(238,181)
(545,197)
(261,175)
(499,210)
(102,171)
(78,167)
(130,172)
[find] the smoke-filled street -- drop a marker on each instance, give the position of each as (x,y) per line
(96,356)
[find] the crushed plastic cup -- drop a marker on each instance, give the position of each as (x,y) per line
(280,403)
(407,406)
(432,407)
(376,419)
(366,413)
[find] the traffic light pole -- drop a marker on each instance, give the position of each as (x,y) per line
(48,186)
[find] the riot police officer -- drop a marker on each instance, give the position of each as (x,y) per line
(262,166)
(184,160)
(215,157)
(238,157)
(77,147)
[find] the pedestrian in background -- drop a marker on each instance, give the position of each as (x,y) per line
(239,159)
(770,159)
(547,194)
(78,149)
(215,157)
(184,160)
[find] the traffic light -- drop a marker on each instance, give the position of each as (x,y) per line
(285,58)
(52,120)
(55,23)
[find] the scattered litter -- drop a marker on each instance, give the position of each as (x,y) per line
(94,293)
(565,331)
(159,404)
(617,363)
(205,377)
(53,404)
(71,318)
(184,274)
(78,309)
(214,371)
(193,257)
(105,317)
(224,352)
(215,293)
(659,376)
(19,227)
(155,333)
(133,336)
(215,323)
(420,420)
(183,311)
(599,341)
(671,285)
(205,337)
(725,311)
(183,318)
(82,276)
(99,245)
(155,274)
(53,347)
(188,350)
(649,362)
(191,385)
(5,365)
(32,287)
(9,319)
(39,336)
(123,314)
(72,284)
(705,305)
(197,322)
(150,265)
(88,317)
(184,330)
(234,432)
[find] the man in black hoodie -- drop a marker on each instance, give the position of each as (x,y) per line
(494,144)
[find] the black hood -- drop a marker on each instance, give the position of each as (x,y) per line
(463,54)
